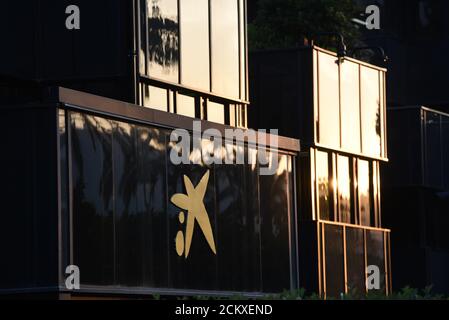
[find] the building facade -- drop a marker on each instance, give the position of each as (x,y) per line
(416,196)
(336,106)
(89,180)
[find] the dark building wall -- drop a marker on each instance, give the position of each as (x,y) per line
(415,36)
(415,197)
(97,58)
(28,217)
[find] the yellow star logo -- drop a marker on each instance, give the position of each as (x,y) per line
(196,211)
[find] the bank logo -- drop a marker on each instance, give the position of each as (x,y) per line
(193,203)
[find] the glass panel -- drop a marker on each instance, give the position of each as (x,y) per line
(143,38)
(350,107)
(274,214)
(344,189)
(355,259)
(334,261)
(151,195)
(215,112)
(225,47)
(242,31)
(375,253)
(364,193)
(238,227)
(156,98)
(127,220)
(328,95)
(185,105)
(194,21)
(433,149)
(370,108)
(163,48)
(322,178)
(93,229)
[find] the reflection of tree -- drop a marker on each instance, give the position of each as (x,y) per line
(100,140)
(163,38)
(378,122)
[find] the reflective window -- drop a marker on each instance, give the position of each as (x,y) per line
(155,98)
(328,96)
(323,185)
(375,254)
(344,189)
(364,192)
(194,21)
(126,224)
(355,259)
(334,258)
(239,231)
(215,112)
(163,43)
(185,105)
(370,108)
(225,47)
(93,229)
(274,224)
(350,107)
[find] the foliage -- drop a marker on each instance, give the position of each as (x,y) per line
(283,23)
(406,293)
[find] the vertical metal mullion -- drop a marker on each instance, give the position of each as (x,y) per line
(290,230)
(59,186)
(313,184)
(70,186)
(339,103)
(320,259)
(179,43)
(360,109)
(245,4)
(323,248)
(295,218)
(386,273)
(345,261)
(114,209)
(365,253)
(210,47)
(239,27)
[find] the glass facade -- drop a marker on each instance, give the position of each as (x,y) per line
(163,39)
(346,252)
(324,185)
(126,220)
(436,151)
(328,97)
(346,188)
(198,47)
(349,106)
(364,193)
